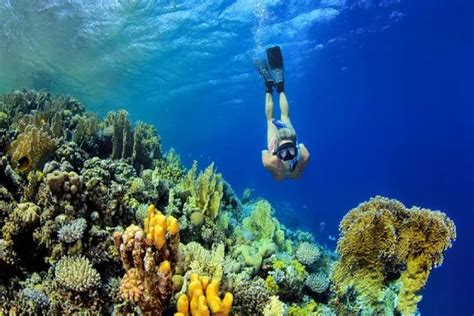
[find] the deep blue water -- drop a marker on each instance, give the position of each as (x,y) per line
(380,92)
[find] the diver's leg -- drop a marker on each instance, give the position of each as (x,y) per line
(271,130)
(285,109)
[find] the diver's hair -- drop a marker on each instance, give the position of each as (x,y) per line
(286,133)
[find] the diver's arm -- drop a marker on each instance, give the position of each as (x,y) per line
(265,159)
(304,157)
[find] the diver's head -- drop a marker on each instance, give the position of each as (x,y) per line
(287,150)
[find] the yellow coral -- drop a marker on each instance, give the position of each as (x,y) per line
(157,225)
(381,237)
(203,298)
(29,149)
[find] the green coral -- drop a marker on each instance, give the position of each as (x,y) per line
(271,285)
(307,309)
(194,258)
(261,225)
(146,145)
(121,132)
(205,191)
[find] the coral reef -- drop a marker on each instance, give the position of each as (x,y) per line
(382,242)
(81,233)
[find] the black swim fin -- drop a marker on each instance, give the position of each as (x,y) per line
(275,61)
(264,70)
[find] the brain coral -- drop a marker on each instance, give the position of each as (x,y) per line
(380,239)
(76,274)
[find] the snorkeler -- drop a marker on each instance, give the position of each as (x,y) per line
(285,157)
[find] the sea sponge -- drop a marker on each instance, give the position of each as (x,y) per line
(156,226)
(381,238)
(203,298)
(76,274)
(30,148)
(307,253)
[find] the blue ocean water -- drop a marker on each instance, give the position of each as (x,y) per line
(380,92)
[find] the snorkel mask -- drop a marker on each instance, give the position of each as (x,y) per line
(288,152)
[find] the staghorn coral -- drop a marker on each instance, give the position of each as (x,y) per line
(76,274)
(380,239)
(194,258)
(30,148)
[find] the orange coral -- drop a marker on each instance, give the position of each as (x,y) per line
(149,258)
(381,238)
(131,286)
(30,148)
(203,305)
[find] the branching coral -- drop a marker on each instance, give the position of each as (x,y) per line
(251,297)
(30,148)
(380,239)
(76,274)
(73,231)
